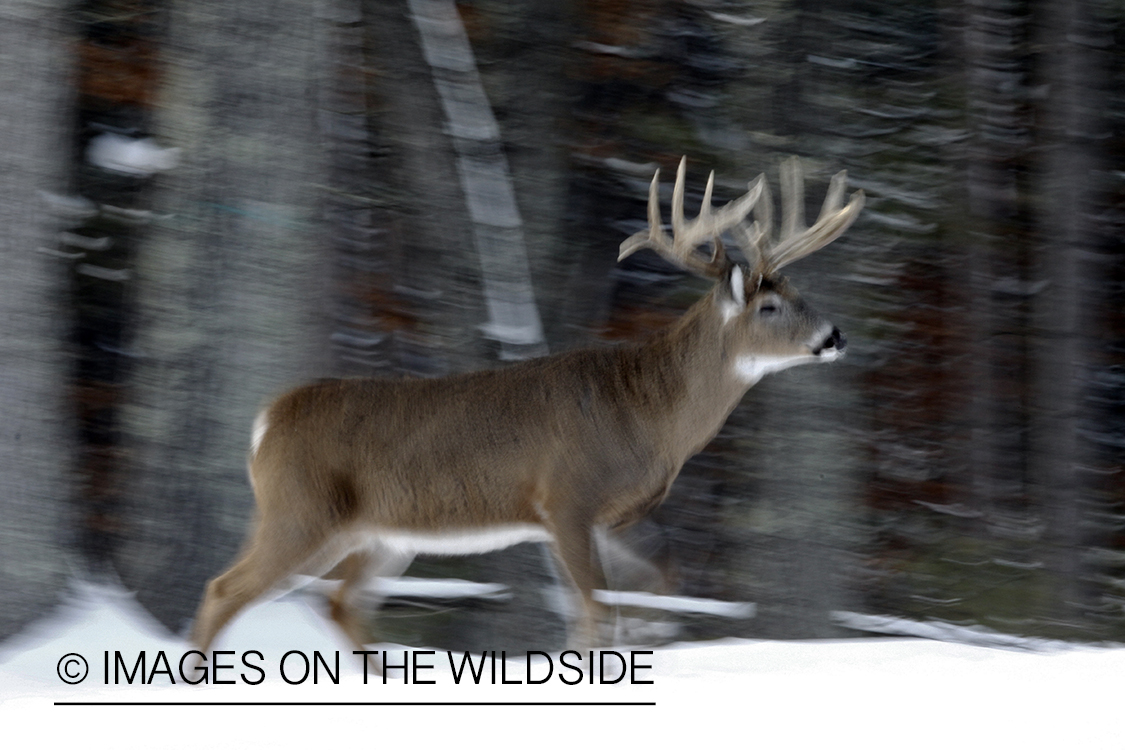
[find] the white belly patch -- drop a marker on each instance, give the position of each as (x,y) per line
(470,541)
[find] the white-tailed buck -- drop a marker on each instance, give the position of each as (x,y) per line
(357,476)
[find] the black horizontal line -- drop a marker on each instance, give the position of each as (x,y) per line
(355,703)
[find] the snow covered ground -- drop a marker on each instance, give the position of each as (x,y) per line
(866,692)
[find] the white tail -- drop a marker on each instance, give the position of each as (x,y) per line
(358,476)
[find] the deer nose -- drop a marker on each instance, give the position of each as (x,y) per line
(836,340)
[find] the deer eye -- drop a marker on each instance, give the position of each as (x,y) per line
(767,308)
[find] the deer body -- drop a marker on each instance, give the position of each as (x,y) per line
(362,474)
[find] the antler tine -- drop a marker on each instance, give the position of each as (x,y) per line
(719,253)
(797,240)
(688,235)
(653,237)
(835,196)
(763,213)
(679,226)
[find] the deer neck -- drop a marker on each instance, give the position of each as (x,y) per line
(691,356)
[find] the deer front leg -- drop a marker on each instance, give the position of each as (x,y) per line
(574,549)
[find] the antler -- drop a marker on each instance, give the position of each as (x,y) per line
(688,235)
(796,239)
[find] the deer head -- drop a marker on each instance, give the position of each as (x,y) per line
(766,324)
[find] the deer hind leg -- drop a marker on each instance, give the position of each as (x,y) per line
(269,559)
(342,602)
(355,571)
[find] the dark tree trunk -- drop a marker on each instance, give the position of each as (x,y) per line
(1070,310)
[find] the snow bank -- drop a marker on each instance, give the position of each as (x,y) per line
(864,692)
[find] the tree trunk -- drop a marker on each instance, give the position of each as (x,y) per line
(36,442)
(1068,309)
(230,284)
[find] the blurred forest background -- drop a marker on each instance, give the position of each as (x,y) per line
(421,187)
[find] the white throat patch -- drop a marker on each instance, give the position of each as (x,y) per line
(752,368)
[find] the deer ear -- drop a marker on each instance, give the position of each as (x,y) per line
(738,286)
